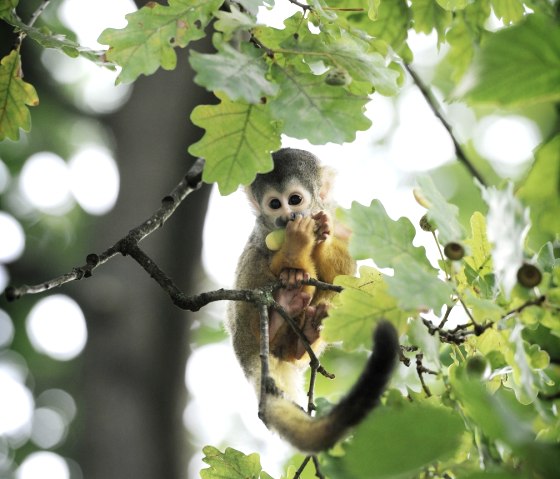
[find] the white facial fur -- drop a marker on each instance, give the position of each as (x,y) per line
(281,206)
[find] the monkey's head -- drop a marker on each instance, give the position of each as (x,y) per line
(295,186)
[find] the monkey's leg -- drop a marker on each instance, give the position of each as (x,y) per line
(283,339)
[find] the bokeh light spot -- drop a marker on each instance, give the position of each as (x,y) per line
(56,327)
(94,179)
(48,429)
(12,241)
(6,329)
(43,464)
(16,404)
(44,182)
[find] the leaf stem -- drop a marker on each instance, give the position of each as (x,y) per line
(36,14)
(434,105)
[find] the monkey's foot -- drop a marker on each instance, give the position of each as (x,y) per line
(294,302)
(292,278)
(314,316)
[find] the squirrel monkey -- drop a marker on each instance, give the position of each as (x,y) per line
(295,196)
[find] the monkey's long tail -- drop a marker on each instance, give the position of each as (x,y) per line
(310,434)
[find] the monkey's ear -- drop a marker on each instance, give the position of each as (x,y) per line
(252,200)
(327,181)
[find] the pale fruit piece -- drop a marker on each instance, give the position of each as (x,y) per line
(274,239)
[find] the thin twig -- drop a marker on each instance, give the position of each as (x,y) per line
(434,105)
(421,370)
(318,473)
(36,14)
(303,6)
(297,475)
(313,362)
(267,382)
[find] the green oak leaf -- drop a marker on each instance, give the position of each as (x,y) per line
(480,249)
(418,287)
(541,192)
(376,236)
(231,464)
(461,53)
(341,49)
(483,310)
(6,7)
(524,75)
(389,243)
(232,21)
(443,214)
(363,65)
(148,41)
(373,9)
(240,74)
(237,144)
(392,23)
(378,452)
(313,110)
(477,269)
(428,15)
(510,11)
(363,302)
(275,38)
(15,96)
(453,5)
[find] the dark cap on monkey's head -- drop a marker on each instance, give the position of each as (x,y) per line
(289,163)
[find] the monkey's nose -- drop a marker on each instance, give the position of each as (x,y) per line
(281,222)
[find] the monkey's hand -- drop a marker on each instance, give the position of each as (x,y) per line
(323,226)
(294,258)
(291,278)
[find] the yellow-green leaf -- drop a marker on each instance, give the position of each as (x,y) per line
(363,302)
(231,464)
(237,144)
(152,33)
(15,96)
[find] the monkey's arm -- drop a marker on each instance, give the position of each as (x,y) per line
(331,258)
(295,253)
(331,254)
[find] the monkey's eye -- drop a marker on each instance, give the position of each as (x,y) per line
(275,204)
(295,199)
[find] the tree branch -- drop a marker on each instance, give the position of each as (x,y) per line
(190,183)
(434,105)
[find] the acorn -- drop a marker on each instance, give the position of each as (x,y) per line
(425,224)
(454,251)
(478,367)
(529,275)
(337,77)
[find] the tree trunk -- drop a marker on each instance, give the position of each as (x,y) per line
(134,390)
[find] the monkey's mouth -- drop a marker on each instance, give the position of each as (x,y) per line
(283,221)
